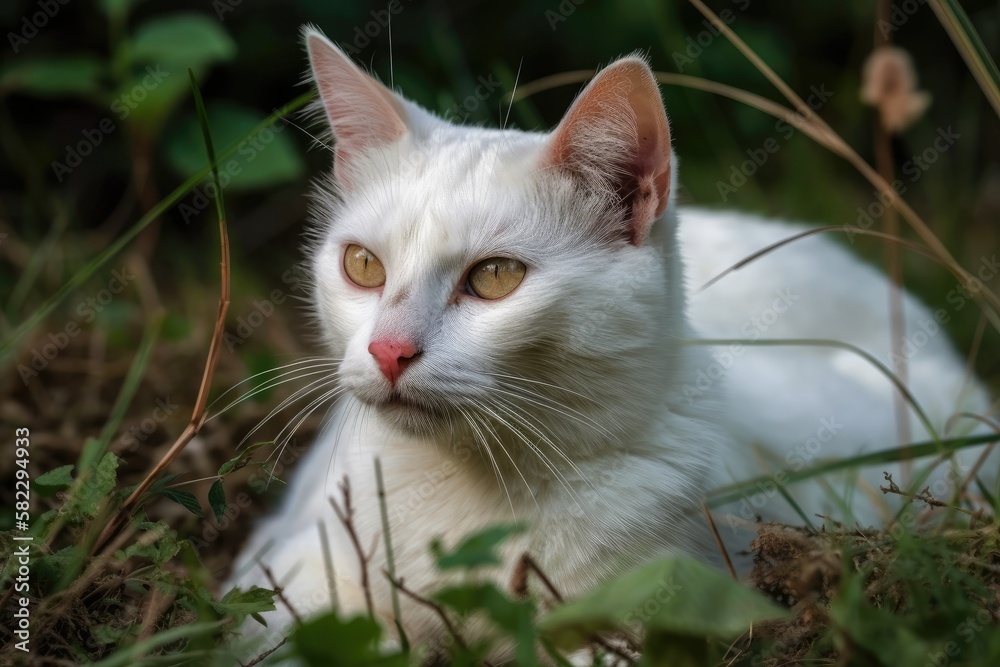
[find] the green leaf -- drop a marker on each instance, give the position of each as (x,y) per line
(159,549)
(238,604)
(677,595)
(147,99)
(50,483)
(9,342)
(155,489)
(327,641)
(90,492)
(264,158)
(217,499)
(240,459)
(185,498)
(515,618)
(475,550)
(157,58)
(80,76)
(181,40)
(50,568)
(162,483)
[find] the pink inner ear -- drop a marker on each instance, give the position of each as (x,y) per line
(362,112)
(616,137)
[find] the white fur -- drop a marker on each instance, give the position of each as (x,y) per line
(564,404)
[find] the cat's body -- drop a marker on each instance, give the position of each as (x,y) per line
(570,403)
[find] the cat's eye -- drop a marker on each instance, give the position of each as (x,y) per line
(363,267)
(495,277)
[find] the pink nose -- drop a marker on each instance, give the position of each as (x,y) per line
(392,356)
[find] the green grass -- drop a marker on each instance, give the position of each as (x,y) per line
(918,592)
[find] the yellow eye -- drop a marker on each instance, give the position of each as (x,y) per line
(495,277)
(363,267)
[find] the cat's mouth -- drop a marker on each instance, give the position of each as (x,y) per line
(408,413)
(396,400)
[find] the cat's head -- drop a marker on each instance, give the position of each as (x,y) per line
(498,283)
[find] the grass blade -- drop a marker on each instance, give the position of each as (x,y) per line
(729,493)
(390,559)
(822,342)
(198,414)
(959,27)
(39,259)
(206,135)
(128,656)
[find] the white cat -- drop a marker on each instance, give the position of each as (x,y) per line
(505,312)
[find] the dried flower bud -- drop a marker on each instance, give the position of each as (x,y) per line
(889,83)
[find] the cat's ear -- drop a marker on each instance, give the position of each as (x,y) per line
(616,138)
(362,112)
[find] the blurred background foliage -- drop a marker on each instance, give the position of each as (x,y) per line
(112,73)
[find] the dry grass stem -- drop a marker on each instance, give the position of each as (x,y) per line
(199,413)
(279,591)
(718,541)
(346,518)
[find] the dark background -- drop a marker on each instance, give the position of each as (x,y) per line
(439,52)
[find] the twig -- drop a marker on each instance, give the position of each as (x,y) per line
(263,656)
(519,583)
(924,496)
(390,559)
(346,518)
(897,322)
(331,580)
(718,541)
(430,604)
(281,593)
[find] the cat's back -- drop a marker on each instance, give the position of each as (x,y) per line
(814,287)
(805,403)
